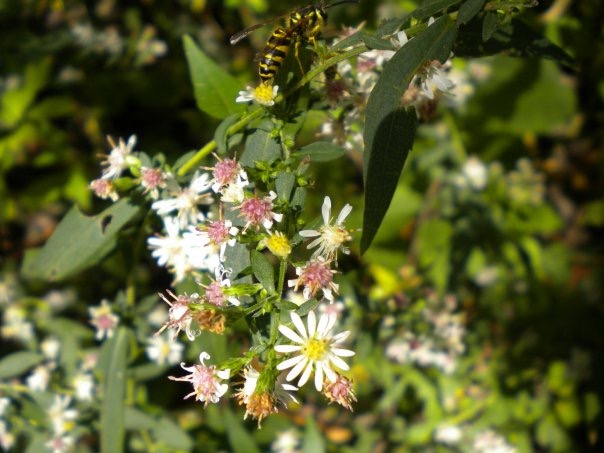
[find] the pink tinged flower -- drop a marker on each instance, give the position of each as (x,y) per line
(152,179)
(104,189)
(257,211)
(340,392)
(104,320)
(219,233)
(315,276)
(180,316)
(206,380)
(317,350)
(60,444)
(118,158)
(330,237)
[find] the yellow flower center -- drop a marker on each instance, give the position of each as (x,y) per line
(278,245)
(263,94)
(315,349)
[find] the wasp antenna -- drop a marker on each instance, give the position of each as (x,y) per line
(341,2)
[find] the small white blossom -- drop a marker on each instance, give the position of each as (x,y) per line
(104,320)
(318,349)
(263,94)
(15,325)
(185,201)
(448,435)
(329,238)
(61,416)
(118,158)
(4,403)
(163,350)
(61,444)
(50,348)
(38,380)
(491,442)
(286,442)
(206,380)
(180,316)
(83,384)
(7,438)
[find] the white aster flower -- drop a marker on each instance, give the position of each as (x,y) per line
(50,348)
(83,384)
(163,350)
(185,200)
(315,276)
(286,442)
(179,313)
(180,252)
(38,380)
(475,173)
(15,325)
(229,180)
(118,158)
(491,442)
(218,233)
(448,435)
(104,320)
(206,380)
(4,403)
(60,444)
(317,349)
(61,416)
(258,211)
(263,94)
(7,438)
(329,238)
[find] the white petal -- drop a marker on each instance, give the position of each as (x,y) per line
(203,356)
(309,233)
(305,375)
(343,214)
(295,371)
(321,329)
(312,324)
(339,362)
(331,375)
(299,324)
(290,363)
(319,377)
(341,336)
(293,336)
(342,352)
(326,210)
(287,348)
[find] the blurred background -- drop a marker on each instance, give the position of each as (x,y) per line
(477,314)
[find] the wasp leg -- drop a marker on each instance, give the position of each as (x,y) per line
(297,55)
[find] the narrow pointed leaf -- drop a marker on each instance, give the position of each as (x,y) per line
(263,271)
(112,406)
(389,128)
(468,10)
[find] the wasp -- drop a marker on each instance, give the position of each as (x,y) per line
(302,25)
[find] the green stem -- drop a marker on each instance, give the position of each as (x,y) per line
(211,146)
(282,271)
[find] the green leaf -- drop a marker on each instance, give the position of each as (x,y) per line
(284,184)
(263,271)
(215,89)
(434,247)
(374,42)
(261,146)
(431,7)
(17,363)
(220,135)
(468,10)
(515,39)
(490,24)
(321,151)
(79,242)
(237,258)
(389,128)
(312,442)
(113,405)
(137,419)
(239,438)
(172,436)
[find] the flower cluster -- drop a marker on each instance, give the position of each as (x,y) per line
(218,210)
(441,345)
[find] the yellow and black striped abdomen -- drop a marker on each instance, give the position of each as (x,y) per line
(273,54)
